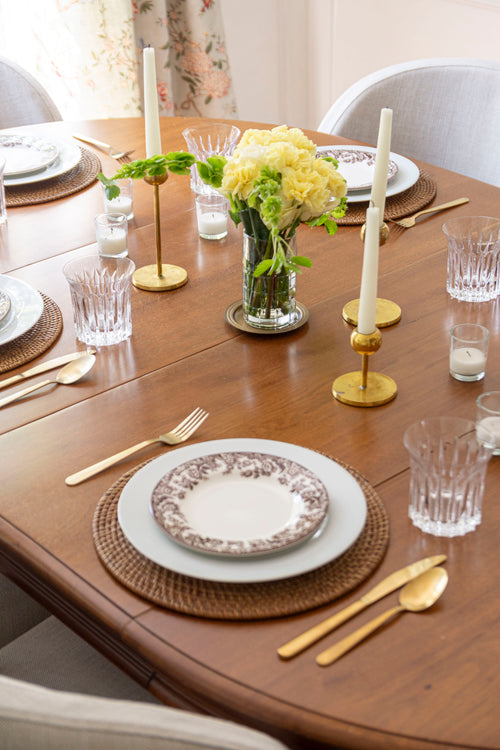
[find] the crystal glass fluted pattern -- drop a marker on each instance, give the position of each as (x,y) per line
(100,295)
(217,138)
(448,466)
(268,301)
(473,273)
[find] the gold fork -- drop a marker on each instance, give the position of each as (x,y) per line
(119,155)
(409,221)
(179,434)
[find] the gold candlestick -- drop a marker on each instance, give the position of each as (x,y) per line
(162,276)
(364,388)
(387,313)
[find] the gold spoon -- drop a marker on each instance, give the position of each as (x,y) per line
(69,374)
(419,594)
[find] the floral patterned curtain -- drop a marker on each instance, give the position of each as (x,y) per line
(88,54)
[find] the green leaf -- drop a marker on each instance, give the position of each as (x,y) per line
(110,188)
(300,260)
(263,266)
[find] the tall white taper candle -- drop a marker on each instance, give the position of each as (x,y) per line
(369,276)
(379,186)
(151,116)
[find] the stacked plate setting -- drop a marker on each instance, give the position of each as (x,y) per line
(242,510)
(21,307)
(357,165)
(30,159)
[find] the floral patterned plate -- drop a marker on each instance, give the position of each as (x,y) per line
(25,154)
(357,165)
(239,503)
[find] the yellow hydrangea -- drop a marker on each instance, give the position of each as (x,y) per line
(309,186)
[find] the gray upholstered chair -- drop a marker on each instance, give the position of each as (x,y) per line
(23,101)
(446,111)
(58,693)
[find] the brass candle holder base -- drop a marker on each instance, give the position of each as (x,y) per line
(364,388)
(160,277)
(387,313)
(170,277)
(383,233)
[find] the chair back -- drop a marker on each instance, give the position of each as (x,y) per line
(23,101)
(446,111)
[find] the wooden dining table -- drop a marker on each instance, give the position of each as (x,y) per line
(425,681)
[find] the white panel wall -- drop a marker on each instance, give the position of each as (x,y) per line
(291,58)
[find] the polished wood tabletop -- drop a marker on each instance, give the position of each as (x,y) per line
(425,681)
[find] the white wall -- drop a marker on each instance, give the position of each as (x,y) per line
(291,58)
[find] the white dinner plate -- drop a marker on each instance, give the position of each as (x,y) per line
(344,522)
(239,503)
(5,308)
(407,175)
(68,157)
(26,308)
(357,165)
(25,154)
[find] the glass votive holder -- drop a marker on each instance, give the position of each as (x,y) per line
(211,212)
(468,351)
(112,233)
(488,418)
(124,203)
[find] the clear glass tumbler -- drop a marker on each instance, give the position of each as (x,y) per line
(216,138)
(448,466)
(473,270)
(100,295)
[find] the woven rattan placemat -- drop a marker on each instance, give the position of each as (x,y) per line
(35,341)
(397,206)
(78,178)
(242,601)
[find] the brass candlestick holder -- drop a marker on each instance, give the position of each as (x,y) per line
(387,313)
(363,388)
(162,276)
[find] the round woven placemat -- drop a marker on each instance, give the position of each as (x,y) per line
(397,206)
(238,601)
(78,178)
(35,341)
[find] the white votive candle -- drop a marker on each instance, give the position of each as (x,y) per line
(212,222)
(119,206)
(112,241)
(489,425)
(467,361)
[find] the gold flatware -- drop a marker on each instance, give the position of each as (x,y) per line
(387,586)
(179,434)
(419,594)
(115,153)
(69,374)
(51,364)
(409,221)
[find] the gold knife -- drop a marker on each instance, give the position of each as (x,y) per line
(51,364)
(389,584)
(93,142)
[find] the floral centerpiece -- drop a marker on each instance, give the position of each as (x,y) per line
(274,181)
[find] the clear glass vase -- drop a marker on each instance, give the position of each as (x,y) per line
(268,301)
